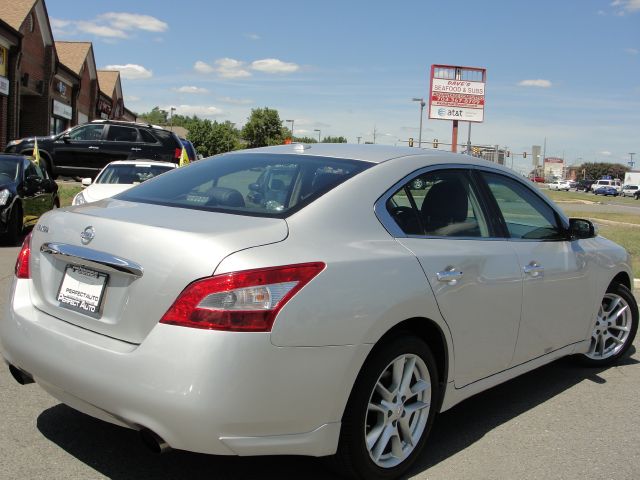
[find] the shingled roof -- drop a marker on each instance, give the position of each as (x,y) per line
(13,12)
(72,54)
(108,80)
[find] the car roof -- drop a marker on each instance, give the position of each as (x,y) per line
(142,161)
(369,153)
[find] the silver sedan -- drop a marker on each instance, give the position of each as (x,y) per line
(324,300)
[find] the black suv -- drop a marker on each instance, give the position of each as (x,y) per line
(584,185)
(84,150)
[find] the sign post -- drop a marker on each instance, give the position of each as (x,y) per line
(457,93)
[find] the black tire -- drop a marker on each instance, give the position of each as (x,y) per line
(353,458)
(14,225)
(621,291)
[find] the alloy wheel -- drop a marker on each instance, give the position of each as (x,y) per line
(398,410)
(612,328)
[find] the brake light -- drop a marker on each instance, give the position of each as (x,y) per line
(22,262)
(245,301)
(177,153)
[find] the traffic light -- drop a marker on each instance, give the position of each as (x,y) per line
(435,143)
(524,155)
(411,141)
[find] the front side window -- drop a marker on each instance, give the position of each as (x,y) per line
(250,184)
(526,215)
(87,132)
(439,204)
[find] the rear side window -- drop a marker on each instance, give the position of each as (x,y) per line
(248,184)
(117,133)
(167,138)
(147,137)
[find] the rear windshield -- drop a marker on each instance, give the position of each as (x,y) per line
(130,174)
(248,184)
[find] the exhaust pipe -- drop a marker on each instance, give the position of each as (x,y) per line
(153,441)
(22,377)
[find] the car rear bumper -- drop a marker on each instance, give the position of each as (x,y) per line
(212,392)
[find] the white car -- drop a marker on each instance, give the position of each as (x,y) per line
(560,185)
(631,191)
(607,183)
(119,176)
(310,300)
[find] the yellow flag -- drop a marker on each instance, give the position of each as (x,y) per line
(184,158)
(36,153)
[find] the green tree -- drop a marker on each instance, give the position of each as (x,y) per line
(156,116)
(595,170)
(305,140)
(212,138)
(264,128)
(334,140)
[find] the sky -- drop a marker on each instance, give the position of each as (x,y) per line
(567,71)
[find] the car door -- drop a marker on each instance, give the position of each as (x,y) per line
(119,141)
(35,199)
(80,147)
(556,281)
(473,274)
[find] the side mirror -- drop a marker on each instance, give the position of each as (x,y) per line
(579,228)
(33,179)
(65,137)
(86,182)
(254,187)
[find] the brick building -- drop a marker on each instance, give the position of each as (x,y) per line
(78,59)
(46,86)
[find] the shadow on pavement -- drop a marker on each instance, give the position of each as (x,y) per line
(118,453)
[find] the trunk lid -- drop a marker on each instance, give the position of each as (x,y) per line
(173,247)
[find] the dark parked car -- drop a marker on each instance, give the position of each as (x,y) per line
(26,192)
(584,185)
(606,190)
(86,149)
(191,150)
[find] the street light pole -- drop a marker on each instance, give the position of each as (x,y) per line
(631,162)
(317,130)
(171,110)
(359,139)
(422,104)
(291,128)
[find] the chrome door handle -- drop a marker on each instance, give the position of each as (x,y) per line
(134,149)
(91,147)
(534,269)
(450,275)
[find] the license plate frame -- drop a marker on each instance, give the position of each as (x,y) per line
(82,290)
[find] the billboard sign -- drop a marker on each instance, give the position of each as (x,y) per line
(457,93)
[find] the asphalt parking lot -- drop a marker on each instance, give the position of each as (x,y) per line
(562,421)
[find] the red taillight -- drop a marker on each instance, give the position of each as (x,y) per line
(177,153)
(22,263)
(246,301)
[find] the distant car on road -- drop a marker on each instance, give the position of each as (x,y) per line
(560,185)
(84,150)
(26,192)
(607,183)
(118,177)
(584,185)
(630,190)
(606,190)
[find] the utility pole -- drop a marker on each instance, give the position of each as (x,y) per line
(469,140)
(422,104)
(171,110)
(374,135)
(359,140)
(631,162)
